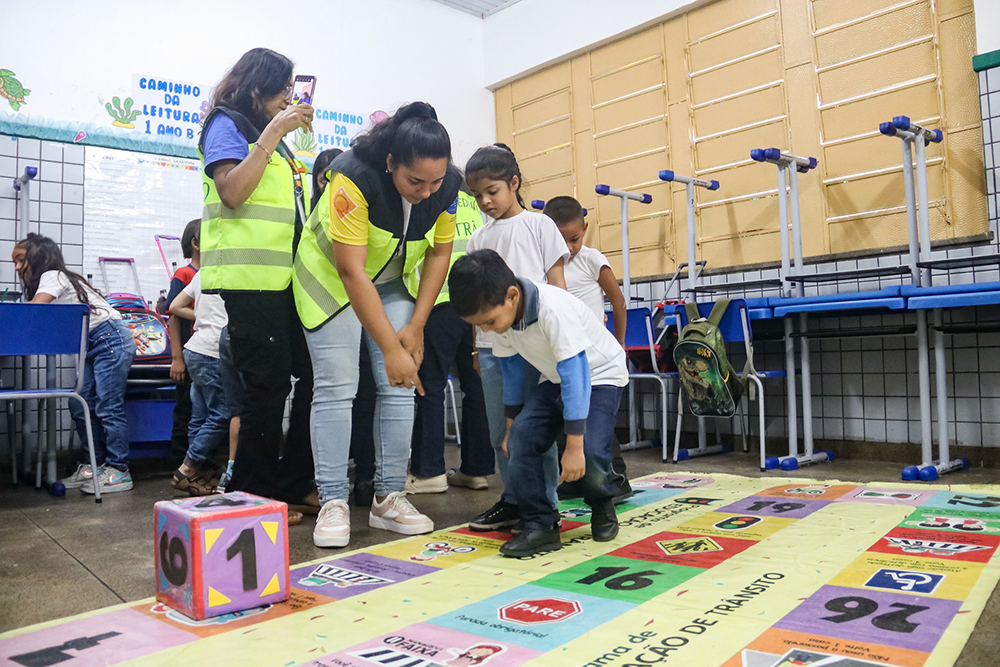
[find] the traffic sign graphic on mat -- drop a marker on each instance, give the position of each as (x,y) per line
(539,610)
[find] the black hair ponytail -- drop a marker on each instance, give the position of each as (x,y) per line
(496,163)
(42,254)
(412,133)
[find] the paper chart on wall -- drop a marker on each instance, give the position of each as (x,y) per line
(129,198)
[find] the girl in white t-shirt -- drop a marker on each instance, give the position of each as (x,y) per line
(531,245)
(110,350)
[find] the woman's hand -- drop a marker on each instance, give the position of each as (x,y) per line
(299,116)
(411,337)
(402,371)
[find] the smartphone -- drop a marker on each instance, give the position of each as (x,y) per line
(303,89)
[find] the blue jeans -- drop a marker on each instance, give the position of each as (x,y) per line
(532,440)
(209,425)
(232,383)
(110,350)
(334,349)
(492,377)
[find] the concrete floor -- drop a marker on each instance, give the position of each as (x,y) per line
(65,556)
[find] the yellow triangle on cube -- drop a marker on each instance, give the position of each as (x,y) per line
(215,598)
(271,528)
(211,535)
(272,587)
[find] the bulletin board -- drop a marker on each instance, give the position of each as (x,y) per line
(129,199)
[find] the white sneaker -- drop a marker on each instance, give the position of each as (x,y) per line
(333,525)
(416,484)
(111,481)
(84,473)
(459,478)
(395,513)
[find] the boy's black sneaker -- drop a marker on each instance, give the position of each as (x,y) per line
(501,515)
(604,522)
(532,541)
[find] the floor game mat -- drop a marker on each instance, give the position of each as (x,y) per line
(707,571)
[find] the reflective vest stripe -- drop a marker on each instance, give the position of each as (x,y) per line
(219,210)
(251,256)
(315,290)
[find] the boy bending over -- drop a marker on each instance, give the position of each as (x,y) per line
(583,371)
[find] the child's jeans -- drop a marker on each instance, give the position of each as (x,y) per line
(532,442)
(492,377)
(334,349)
(110,350)
(209,425)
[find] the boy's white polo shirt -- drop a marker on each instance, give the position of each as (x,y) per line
(582,272)
(556,326)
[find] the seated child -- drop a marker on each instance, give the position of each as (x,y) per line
(589,277)
(583,371)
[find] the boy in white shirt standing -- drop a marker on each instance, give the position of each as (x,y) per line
(590,278)
(583,371)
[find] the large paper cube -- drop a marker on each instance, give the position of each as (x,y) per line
(220,554)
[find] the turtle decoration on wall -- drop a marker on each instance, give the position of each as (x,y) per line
(12,89)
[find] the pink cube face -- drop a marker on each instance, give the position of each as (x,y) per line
(221,554)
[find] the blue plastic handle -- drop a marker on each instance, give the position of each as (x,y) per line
(538,204)
(813,163)
(585,213)
(938,137)
(666,175)
(602,189)
(757,154)
(888,129)
(901,122)
(714,185)
(772,154)
(31,171)
(647,199)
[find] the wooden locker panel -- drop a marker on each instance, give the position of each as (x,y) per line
(738,77)
(558,162)
(961,94)
(804,139)
(872,153)
(878,73)
(619,144)
(544,110)
(862,116)
(736,147)
(725,14)
(609,208)
(547,188)
(877,193)
(626,81)
(586,175)
(796,35)
(628,174)
(541,139)
(741,41)
(966,182)
(882,231)
(540,84)
(742,110)
(908,23)
(749,249)
(829,13)
(636,109)
(674,40)
(504,115)
(626,51)
(739,217)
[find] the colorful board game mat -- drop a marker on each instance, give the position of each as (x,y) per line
(707,570)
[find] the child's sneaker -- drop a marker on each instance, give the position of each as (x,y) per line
(333,525)
(458,478)
(395,513)
(227,476)
(111,481)
(84,473)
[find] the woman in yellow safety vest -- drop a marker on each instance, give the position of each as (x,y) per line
(254,210)
(389,205)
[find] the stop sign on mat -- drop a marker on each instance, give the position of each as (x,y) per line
(540,610)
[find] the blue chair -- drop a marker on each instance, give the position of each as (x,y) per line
(734,327)
(48,329)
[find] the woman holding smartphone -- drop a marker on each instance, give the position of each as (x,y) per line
(390,203)
(255,207)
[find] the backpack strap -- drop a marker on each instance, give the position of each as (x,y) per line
(691,308)
(718,312)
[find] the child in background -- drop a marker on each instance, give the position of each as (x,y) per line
(589,277)
(210,414)
(582,370)
(180,331)
(110,350)
(232,387)
(531,245)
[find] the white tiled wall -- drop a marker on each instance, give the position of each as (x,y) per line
(867,388)
(55,210)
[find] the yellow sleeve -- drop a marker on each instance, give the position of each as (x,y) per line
(347,211)
(445,230)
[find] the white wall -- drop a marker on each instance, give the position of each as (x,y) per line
(987,25)
(532,34)
(376,54)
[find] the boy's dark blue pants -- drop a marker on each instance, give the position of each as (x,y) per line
(534,431)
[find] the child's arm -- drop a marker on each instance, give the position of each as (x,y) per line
(513,392)
(177,366)
(606,279)
(555,275)
(181,307)
(42,297)
(574,376)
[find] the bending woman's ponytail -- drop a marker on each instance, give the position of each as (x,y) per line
(412,133)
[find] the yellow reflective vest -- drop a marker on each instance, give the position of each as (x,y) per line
(249,248)
(319,291)
(469,219)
